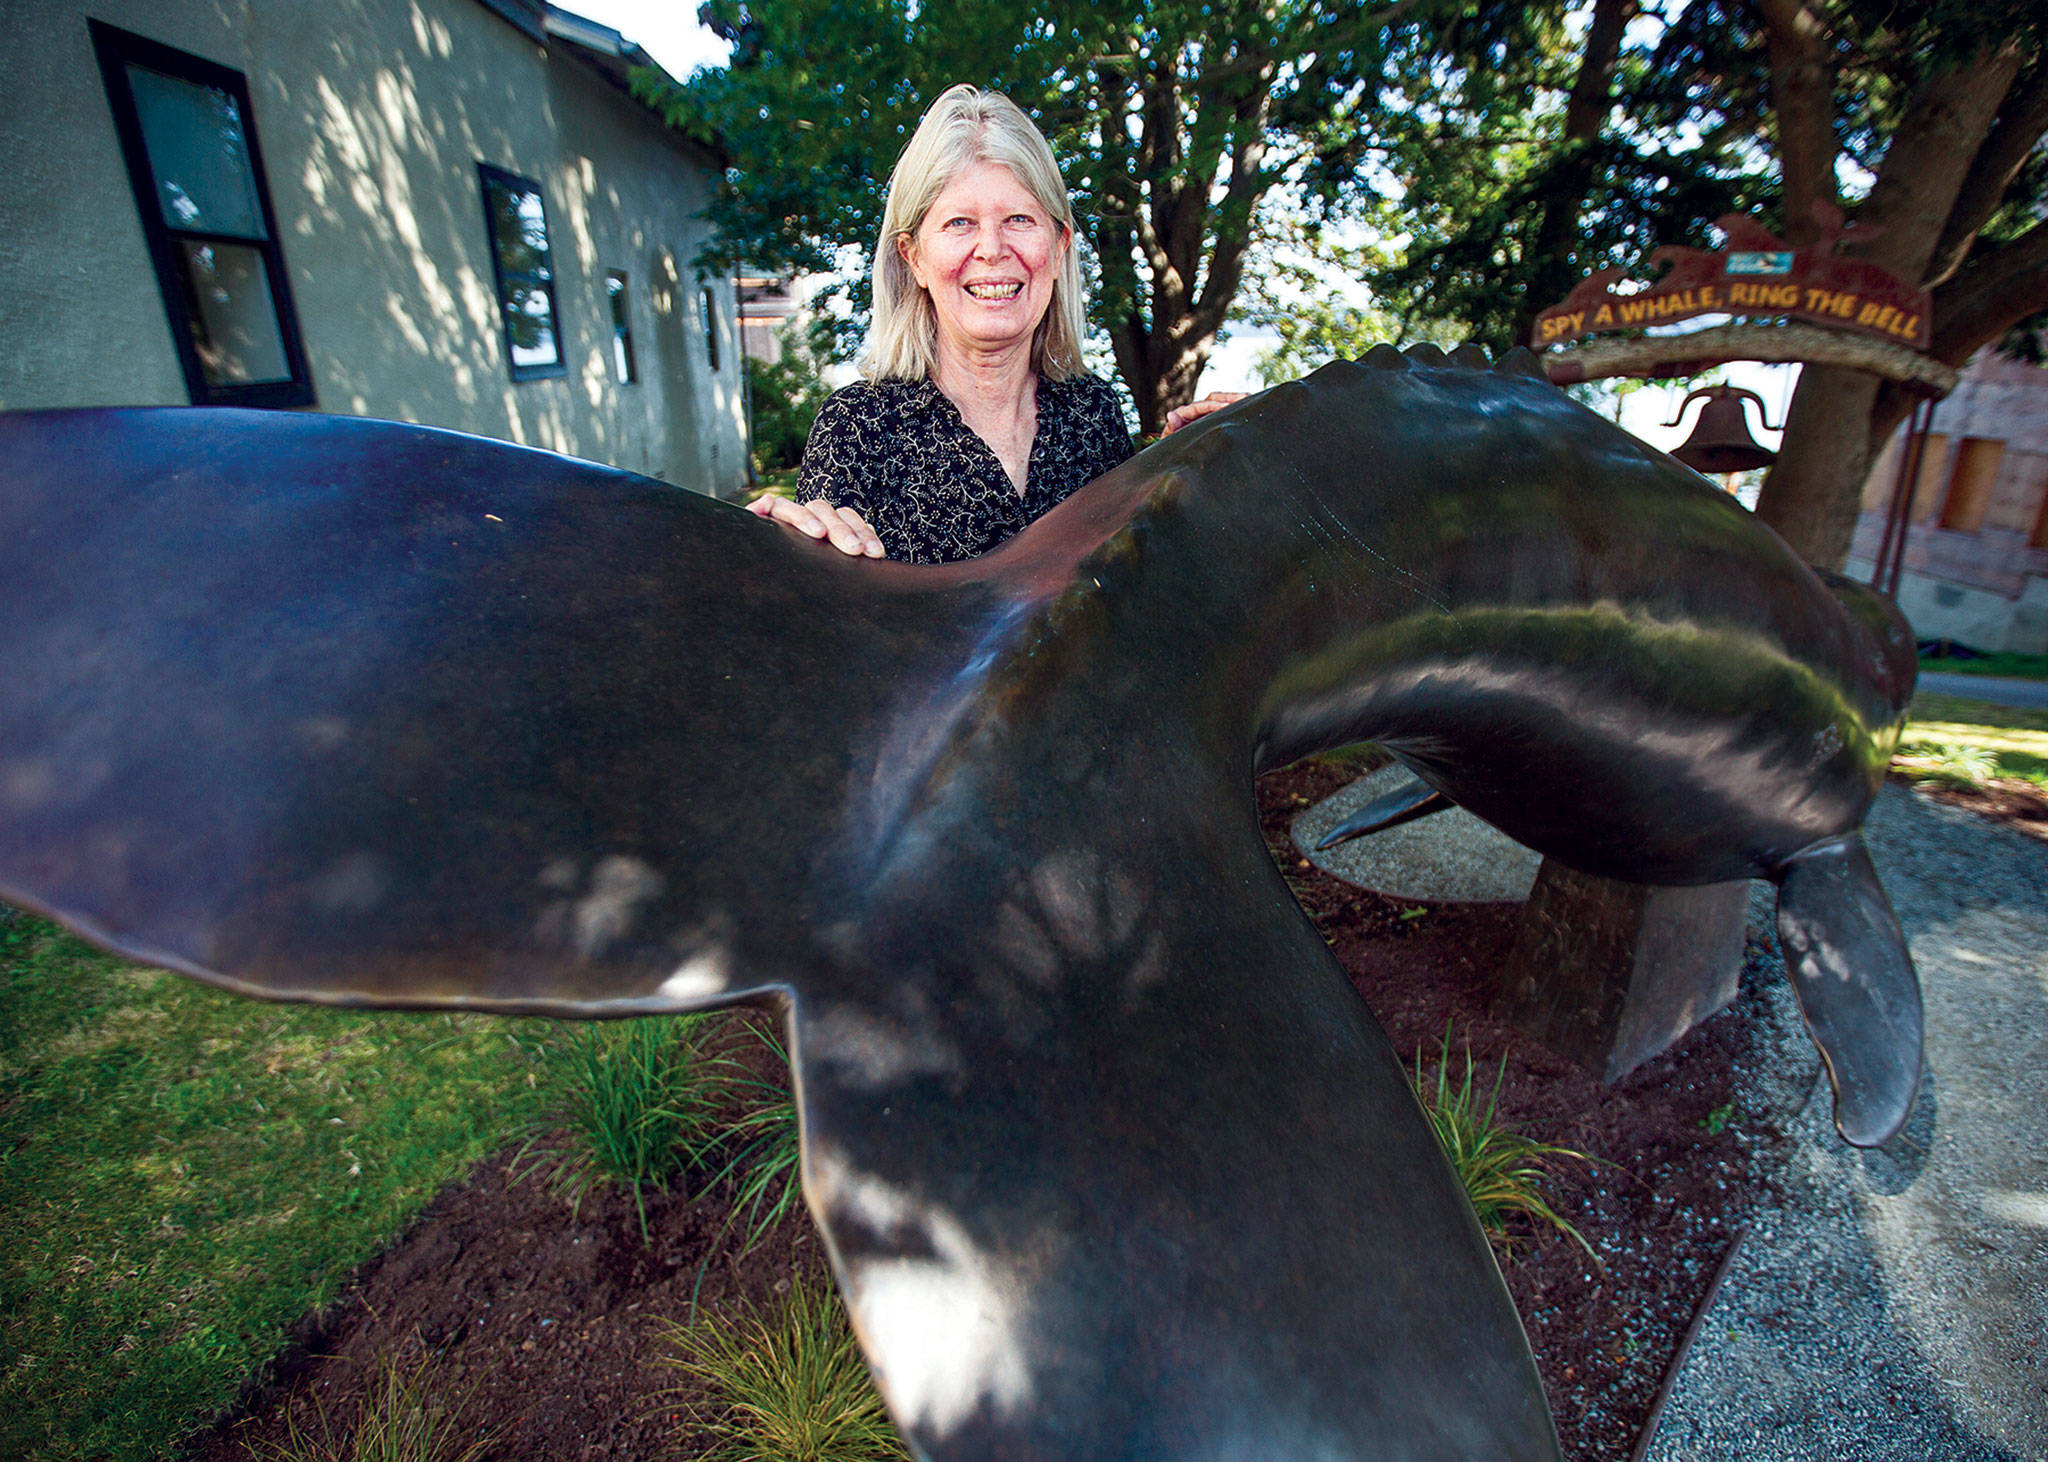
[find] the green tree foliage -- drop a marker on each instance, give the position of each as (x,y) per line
(1173,119)
(1303,287)
(1942,107)
(1522,170)
(1523,162)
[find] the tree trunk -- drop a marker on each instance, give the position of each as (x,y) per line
(1839,417)
(1802,96)
(1814,490)
(1170,378)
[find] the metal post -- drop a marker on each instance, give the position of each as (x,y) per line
(1891,550)
(1923,422)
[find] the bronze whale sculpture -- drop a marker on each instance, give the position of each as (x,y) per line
(1109,1158)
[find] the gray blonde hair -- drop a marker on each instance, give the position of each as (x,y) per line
(966,126)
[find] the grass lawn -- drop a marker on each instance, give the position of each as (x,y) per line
(781,484)
(1969,736)
(2025,667)
(184,1173)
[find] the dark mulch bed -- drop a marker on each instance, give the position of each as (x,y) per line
(540,1315)
(1662,1201)
(2022,806)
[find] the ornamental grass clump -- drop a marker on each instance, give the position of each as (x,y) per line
(404,1416)
(788,1384)
(1957,742)
(1954,764)
(636,1106)
(759,1130)
(1501,1170)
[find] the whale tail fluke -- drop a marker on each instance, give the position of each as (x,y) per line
(1415,798)
(1857,989)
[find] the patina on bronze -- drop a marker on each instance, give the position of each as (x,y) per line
(1110,1159)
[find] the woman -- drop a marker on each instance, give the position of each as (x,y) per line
(974,417)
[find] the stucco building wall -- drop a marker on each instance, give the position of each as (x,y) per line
(372,116)
(1976,565)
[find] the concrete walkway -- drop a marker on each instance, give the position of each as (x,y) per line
(1998,689)
(1447,855)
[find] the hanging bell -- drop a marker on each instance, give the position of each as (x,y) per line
(1720,440)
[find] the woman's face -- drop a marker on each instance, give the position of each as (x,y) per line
(987,253)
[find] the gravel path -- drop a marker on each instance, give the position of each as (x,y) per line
(1894,1304)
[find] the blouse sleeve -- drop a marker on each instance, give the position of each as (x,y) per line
(1117,432)
(1109,435)
(833,461)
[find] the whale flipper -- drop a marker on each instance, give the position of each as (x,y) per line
(1856,986)
(1404,804)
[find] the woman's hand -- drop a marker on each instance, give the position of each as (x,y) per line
(847,529)
(1180,416)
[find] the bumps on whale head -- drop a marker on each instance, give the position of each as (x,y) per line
(1518,361)
(1522,361)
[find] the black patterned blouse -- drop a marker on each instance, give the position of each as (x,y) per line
(900,454)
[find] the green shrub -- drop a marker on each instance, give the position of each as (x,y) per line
(788,1385)
(786,396)
(1501,1170)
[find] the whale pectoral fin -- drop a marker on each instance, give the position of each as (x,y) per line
(1855,982)
(1403,804)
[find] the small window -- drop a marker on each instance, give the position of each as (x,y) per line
(517,219)
(622,331)
(1970,482)
(709,309)
(188,136)
(1932,473)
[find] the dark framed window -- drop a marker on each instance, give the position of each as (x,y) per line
(708,306)
(622,329)
(516,217)
(188,135)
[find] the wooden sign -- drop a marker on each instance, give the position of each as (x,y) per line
(1756,275)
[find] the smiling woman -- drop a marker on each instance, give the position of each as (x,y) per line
(974,417)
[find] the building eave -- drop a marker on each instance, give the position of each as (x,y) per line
(613,57)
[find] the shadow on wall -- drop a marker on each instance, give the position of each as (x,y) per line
(380,204)
(669,295)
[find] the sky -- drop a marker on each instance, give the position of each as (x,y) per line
(669,32)
(666,29)
(1644,412)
